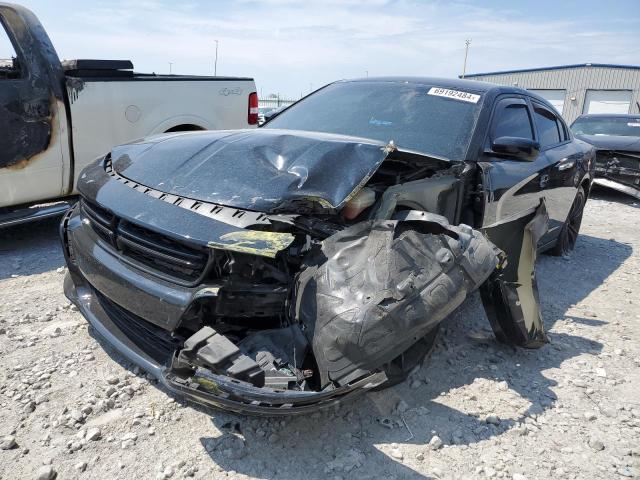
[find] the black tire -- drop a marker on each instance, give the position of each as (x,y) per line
(570,230)
(398,368)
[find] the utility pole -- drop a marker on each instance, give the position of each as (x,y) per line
(467,42)
(170,64)
(215,64)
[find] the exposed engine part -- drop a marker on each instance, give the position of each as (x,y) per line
(362,200)
(280,353)
(207,348)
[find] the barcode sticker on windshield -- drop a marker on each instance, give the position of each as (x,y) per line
(455,94)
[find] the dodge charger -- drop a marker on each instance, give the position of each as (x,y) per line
(292,267)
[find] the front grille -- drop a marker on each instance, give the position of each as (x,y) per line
(147,249)
(151,339)
(160,252)
(102,221)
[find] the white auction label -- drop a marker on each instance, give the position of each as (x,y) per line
(455,94)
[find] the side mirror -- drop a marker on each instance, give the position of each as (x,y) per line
(516,147)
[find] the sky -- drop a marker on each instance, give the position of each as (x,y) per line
(291,47)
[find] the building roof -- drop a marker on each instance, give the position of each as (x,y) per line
(558,67)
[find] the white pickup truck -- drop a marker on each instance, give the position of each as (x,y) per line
(56,117)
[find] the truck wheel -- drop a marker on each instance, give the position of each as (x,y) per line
(569,234)
(398,368)
(184,128)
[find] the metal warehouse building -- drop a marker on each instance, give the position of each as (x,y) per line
(577,89)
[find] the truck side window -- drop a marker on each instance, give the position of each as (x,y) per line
(512,120)
(9,65)
(548,126)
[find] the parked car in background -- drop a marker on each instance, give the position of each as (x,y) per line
(617,142)
(56,117)
(262,112)
(289,268)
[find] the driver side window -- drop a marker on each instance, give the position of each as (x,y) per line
(512,120)
(9,64)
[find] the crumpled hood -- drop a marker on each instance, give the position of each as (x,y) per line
(262,170)
(612,142)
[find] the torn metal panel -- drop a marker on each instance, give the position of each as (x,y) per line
(377,287)
(280,169)
(510,296)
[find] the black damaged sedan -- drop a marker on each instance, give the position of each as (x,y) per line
(289,268)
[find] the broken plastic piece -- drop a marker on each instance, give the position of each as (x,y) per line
(207,348)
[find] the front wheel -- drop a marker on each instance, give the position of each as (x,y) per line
(569,234)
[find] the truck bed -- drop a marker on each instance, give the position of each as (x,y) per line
(120,70)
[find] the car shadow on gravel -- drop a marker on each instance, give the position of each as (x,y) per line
(468,368)
(30,249)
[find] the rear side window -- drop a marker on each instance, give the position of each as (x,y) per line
(9,67)
(549,128)
(512,120)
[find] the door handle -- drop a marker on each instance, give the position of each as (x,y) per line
(566,165)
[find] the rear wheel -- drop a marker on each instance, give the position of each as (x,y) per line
(398,368)
(567,239)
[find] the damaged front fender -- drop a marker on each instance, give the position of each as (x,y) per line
(379,286)
(510,296)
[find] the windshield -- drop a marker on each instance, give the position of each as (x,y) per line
(416,117)
(621,126)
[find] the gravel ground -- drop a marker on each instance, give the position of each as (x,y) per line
(71,406)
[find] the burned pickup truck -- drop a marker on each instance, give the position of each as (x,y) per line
(288,268)
(56,116)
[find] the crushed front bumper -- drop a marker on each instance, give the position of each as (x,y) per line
(620,187)
(619,171)
(235,396)
(218,391)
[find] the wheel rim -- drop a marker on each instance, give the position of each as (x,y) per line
(573,222)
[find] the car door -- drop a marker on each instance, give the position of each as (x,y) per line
(514,219)
(512,185)
(563,160)
(31,127)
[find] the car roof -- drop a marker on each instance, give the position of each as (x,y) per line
(609,115)
(453,83)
